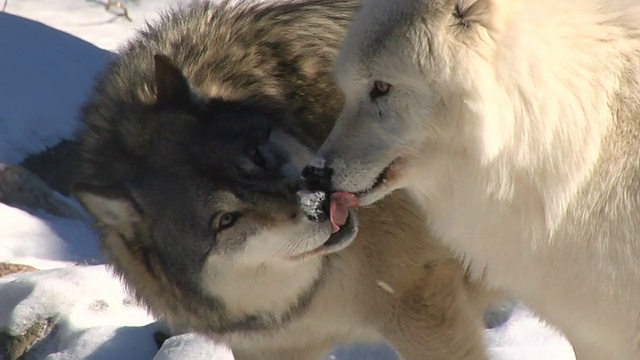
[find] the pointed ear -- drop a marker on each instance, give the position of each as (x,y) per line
(109,205)
(172,88)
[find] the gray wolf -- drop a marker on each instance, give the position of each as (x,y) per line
(516,126)
(189,160)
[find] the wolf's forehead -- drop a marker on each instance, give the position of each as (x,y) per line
(367,39)
(255,200)
(199,204)
(224,198)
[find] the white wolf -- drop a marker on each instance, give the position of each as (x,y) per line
(516,124)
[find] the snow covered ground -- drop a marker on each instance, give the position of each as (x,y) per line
(46,71)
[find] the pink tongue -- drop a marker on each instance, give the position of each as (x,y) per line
(339,207)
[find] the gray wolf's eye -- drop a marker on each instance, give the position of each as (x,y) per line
(227,220)
(380,88)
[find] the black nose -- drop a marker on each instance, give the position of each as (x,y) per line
(317,178)
(312,172)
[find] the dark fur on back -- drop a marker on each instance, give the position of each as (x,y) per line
(248,50)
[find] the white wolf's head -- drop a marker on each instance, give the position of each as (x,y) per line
(428,82)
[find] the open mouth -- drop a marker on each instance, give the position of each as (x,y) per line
(343,235)
(382,179)
(337,241)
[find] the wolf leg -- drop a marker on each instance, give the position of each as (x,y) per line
(435,321)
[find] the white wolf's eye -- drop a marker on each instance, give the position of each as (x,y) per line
(227,220)
(380,88)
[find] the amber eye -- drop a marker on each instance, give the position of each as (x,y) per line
(380,88)
(227,220)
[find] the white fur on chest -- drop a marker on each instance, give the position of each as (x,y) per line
(462,206)
(563,272)
(268,288)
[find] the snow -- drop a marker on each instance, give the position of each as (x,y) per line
(45,74)
(191,346)
(88,19)
(526,337)
(51,51)
(45,241)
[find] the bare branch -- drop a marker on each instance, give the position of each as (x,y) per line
(116,4)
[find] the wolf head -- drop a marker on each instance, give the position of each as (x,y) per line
(184,182)
(432,85)
(396,69)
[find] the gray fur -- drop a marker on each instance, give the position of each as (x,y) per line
(179,130)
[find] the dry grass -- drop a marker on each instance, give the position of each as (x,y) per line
(110,4)
(8,268)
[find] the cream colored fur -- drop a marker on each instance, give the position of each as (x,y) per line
(381,287)
(516,124)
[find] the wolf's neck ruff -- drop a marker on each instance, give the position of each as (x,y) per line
(262,319)
(268,321)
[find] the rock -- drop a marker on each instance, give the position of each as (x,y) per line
(54,165)
(21,188)
(14,347)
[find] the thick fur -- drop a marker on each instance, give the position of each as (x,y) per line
(183,163)
(516,125)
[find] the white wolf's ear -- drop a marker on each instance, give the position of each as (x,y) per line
(468,12)
(172,88)
(110,206)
